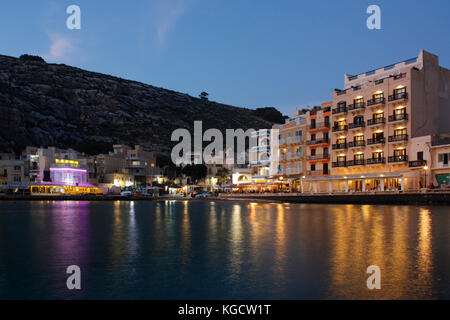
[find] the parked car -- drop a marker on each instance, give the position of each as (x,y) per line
(126,193)
(204,195)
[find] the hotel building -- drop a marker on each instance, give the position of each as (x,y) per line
(376,117)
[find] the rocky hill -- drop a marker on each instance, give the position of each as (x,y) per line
(45,104)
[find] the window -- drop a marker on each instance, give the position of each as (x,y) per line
(379,115)
(399,91)
(298,133)
(399,112)
(400,154)
(377,155)
(341,141)
(313,137)
(313,152)
(342,105)
(358,156)
(420,155)
(17,179)
(399,132)
(446,158)
(325,151)
(341,159)
(17,168)
(313,123)
(377,135)
(358,138)
(358,120)
(378,96)
(313,167)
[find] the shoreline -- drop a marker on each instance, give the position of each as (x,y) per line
(437,198)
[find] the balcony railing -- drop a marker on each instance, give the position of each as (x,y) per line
(398,138)
(417,163)
(356,106)
(339,146)
(374,121)
(355,144)
(398,117)
(339,128)
(318,173)
(339,164)
(376,101)
(319,157)
(293,171)
(356,125)
(339,110)
(317,141)
(372,141)
(296,139)
(356,162)
(294,155)
(319,125)
(376,160)
(398,96)
(398,158)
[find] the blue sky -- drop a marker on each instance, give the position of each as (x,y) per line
(251,54)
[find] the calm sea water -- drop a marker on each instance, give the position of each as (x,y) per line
(222,250)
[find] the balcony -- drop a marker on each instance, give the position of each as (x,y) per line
(318,173)
(375,121)
(317,141)
(318,126)
(417,163)
(398,117)
(374,141)
(394,159)
(398,97)
(356,162)
(356,125)
(296,139)
(375,101)
(293,171)
(372,161)
(398,138)
(319,157)
(294,155)
(339,110)
(339,164)
(339,146)
(340,128)
(356,106)
(356,144)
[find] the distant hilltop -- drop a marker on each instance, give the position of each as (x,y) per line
(44,104)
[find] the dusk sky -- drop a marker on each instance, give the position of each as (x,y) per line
(251,54)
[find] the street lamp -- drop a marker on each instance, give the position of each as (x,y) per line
(426,169)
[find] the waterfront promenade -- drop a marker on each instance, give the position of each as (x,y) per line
(438,197)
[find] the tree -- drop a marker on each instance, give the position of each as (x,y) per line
(270,114)
(27,57)
(196,172)
(223,176)
(204,95)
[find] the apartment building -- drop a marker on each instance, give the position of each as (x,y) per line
(259,155)
(13,171)
(318,140)
(289,158)
(376,116)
